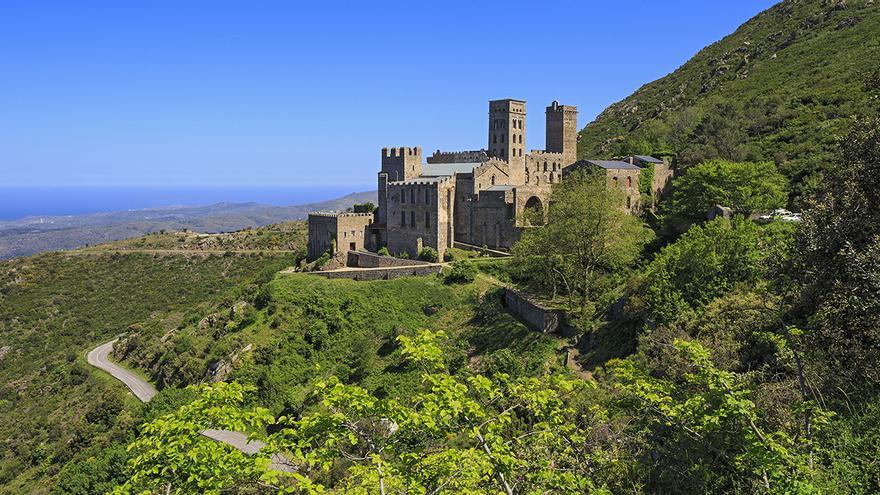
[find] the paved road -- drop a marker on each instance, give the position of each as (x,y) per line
(99,357)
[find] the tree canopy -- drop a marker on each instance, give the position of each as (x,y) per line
(743,186)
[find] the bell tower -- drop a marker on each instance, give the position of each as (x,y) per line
(507,130)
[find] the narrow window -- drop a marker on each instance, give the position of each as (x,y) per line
(614,182)
(628,202)
(502,138)
(629,182)
(427,220)
(412,195)
(402,195)
(403,219)
(493,180)
(427,196)
(494,138)
(412,219)
(545,166)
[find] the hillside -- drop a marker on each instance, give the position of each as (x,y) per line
(782,87)
(34,235)
(55,306)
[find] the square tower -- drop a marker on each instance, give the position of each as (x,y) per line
(562,131)
(507,130)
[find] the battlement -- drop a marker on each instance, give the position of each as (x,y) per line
(469,156)
(338,214)
(401,152)
(555,107)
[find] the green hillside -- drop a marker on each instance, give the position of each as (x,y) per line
(782,87)
(54,408)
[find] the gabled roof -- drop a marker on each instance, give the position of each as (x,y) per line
(614,164)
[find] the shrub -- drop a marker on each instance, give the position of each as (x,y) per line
(448,256)
(383,251)
(462,272)
(428,254)
(404,255)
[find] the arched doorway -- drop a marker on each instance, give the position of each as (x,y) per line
(533,213)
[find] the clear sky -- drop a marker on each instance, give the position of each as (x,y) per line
(261,92)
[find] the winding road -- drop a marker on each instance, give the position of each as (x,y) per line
(99,357)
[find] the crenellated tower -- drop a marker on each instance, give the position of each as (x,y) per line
(562,131)
(402,163)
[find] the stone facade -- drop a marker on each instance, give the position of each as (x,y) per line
(338,233)
(476,197)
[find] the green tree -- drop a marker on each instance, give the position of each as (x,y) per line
(706,262)
(459,434)
(711,411)
(588,236)
(743,186)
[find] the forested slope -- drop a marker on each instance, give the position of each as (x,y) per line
(783,87)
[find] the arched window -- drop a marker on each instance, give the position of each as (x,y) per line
(629,182)
(520,139)
(502,138)
(494,138)
(545,166)
(552,177)
(493,180)
(628,202)
(614,182)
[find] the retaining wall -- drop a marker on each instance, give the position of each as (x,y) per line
(361,259)
(382,273)
(543,319)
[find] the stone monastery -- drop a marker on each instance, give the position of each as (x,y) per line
(472,197)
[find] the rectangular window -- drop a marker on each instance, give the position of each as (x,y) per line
(427,220)
(402,195)
(412,219)
(412,195)
(427,196)
(403,219)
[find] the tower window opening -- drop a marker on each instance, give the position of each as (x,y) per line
(403,219)
(412,219)
(427,220)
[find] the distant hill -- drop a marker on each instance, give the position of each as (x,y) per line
(782,87)
(34,235)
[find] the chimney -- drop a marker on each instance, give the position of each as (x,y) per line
(631,160)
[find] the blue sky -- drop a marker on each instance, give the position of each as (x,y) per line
(261,92)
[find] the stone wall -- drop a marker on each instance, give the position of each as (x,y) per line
(543,168)
(472,156)
(362,259)
(627,181)
(383,273)
(543,319)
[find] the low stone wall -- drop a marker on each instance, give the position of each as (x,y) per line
(361,259)
(382,273)
(544,319)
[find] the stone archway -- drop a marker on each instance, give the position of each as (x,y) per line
(533,212)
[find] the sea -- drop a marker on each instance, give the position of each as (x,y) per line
(22,201)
